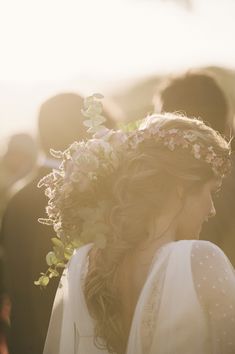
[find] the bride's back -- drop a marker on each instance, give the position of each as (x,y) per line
(131,277)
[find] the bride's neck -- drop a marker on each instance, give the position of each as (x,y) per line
(162,230)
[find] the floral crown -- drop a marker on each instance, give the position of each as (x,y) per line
(85,163)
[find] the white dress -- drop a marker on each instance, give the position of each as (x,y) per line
(187,305)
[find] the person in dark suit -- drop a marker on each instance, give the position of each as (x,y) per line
(25,240)
(197,94)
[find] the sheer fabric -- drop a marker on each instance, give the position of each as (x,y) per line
(187,305)
(215,285)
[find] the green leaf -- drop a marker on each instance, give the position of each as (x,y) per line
(88,123)
(129,127)
(60,265)
(44,280)
(57,242)
(99,96)
(68,252)
(51,258)
(53,274)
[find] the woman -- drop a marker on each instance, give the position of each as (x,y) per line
(143,283)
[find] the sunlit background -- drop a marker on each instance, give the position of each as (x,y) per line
(49,46)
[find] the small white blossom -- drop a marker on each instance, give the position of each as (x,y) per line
(190,136)
(171,144)
(196,151)
(86,162)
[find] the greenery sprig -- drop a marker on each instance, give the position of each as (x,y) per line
(72,210)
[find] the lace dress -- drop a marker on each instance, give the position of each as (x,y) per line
(187,305)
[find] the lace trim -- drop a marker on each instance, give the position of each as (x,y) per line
(152,306)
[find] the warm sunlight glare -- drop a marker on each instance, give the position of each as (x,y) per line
(88,43)
(46,40)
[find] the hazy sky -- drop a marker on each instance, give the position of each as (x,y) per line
(53,45)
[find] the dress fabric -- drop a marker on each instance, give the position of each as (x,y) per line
(187,305)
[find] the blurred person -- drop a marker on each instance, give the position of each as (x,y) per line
(198,94)
(25,240)
(16,163)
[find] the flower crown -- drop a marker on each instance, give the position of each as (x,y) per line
(186,139)
(85,163)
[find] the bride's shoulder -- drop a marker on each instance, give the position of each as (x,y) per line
(200,246)
(207,256)
(206,247)
(201,251)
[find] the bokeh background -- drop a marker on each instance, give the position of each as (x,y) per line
(111,46)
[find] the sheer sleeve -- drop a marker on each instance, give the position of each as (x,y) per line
(214,280)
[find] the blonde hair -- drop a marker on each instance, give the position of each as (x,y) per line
(144,180)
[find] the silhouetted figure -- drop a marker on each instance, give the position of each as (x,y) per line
(197,94)
(15,164)
(27,241)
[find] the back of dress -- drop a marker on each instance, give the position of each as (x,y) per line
(188,305)
(185,307)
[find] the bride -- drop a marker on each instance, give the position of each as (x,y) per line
(143,282)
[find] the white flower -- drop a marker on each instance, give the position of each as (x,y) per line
(171,144)
(190,136)
(86,162)
(162,133)
(196,151)
(103,133)
(118,138)
(154,129)
(96,145)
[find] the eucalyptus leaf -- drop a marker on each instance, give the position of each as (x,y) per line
(42,281)
(60,265)
(57,242)
(51,258)
(53,273)
(99,96)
